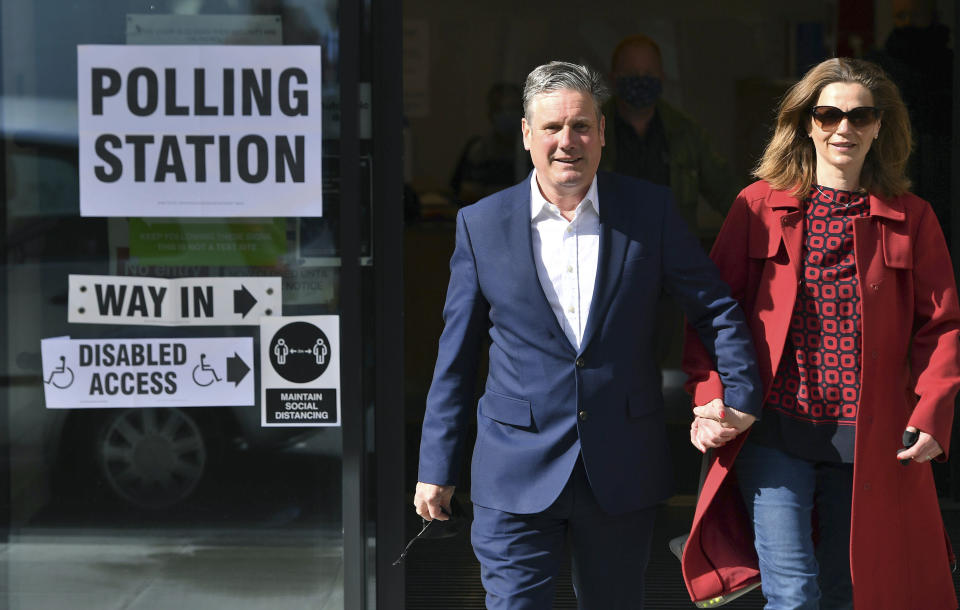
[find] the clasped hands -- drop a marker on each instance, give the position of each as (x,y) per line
(715,424)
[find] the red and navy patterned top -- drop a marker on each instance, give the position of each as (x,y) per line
(811,411)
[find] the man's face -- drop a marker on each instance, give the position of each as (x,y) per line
(564,139)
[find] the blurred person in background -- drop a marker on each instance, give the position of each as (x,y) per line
(495,160)
(650,139)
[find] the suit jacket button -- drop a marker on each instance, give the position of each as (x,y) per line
(582,415)
(581,362)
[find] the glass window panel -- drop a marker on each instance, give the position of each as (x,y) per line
(160,507)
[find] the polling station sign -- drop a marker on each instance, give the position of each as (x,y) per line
(199,130)
(98,373)
(191,301)
(300,371)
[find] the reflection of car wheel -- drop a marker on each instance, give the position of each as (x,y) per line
(152,458)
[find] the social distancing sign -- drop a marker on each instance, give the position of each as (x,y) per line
(198,301)
(300,371)
(195,372)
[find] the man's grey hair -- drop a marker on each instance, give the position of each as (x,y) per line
(558,75)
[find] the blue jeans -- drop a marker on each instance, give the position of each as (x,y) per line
(780,492)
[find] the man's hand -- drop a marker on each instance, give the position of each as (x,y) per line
(708,434)
(727,416)
(429,499)
(924,450)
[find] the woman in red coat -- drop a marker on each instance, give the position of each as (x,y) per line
(847,283)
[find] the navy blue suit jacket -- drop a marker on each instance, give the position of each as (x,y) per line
(545,402)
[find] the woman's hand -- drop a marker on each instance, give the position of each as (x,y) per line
(726,416)
(924,450)
(709,434)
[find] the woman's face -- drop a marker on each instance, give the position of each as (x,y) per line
(842,147)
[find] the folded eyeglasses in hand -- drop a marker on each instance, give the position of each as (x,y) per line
(436,529)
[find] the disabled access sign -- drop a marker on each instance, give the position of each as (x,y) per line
(195,372)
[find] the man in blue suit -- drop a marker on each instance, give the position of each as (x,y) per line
(561,273)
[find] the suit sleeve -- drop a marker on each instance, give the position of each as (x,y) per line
(729,253)
(450,399)
(935,358)
(715,316)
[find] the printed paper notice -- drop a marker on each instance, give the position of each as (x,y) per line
(199,130)
(97,373)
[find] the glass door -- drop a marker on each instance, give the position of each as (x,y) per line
(145,495)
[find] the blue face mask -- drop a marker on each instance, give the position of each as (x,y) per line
(639,91)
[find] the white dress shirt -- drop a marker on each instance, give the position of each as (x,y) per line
(566,254)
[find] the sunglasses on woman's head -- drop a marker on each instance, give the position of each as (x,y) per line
(828,117)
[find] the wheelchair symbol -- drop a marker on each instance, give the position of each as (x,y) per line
(203,373)
(62,376)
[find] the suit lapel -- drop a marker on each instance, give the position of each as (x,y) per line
(518,231)
(613,249)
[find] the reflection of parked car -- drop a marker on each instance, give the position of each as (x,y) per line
(151,458)
(156,458)
(148,457)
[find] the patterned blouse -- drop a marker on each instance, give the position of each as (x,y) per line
(811,410)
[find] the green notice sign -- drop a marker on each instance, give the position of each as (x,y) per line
(237,243)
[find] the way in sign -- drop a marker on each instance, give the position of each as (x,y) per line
(112,301)
(204,301)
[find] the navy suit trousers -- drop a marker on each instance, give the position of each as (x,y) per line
(520,555)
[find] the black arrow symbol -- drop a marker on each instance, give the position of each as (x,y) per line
(237,369)
(243,301)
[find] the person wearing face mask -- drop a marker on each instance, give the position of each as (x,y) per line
(495,160)
(828,496)
(650,139)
